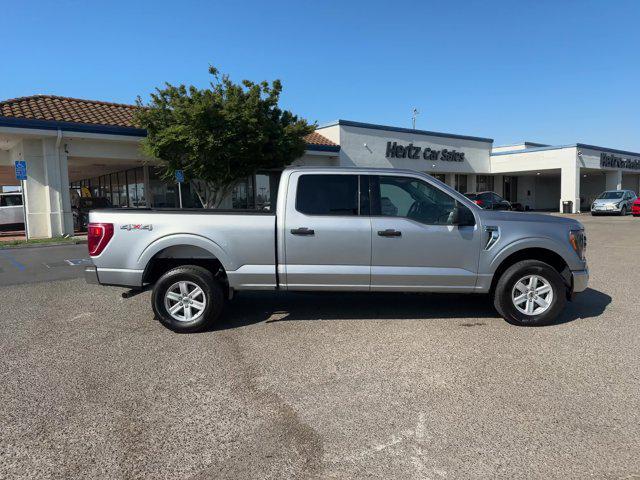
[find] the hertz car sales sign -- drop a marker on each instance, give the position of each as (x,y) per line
(608,160)
(394,150)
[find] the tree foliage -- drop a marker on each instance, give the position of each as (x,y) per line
(221,134)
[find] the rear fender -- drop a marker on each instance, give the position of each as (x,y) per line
(187,240)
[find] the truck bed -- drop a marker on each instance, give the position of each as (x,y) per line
(243,241)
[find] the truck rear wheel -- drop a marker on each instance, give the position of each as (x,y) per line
(530,293)
(187,299)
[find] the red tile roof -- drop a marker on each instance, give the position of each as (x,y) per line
(65,109)
(316,139)
(90,112)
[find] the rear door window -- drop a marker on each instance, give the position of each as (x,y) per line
(327,195)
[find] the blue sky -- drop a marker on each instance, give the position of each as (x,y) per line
(548,71)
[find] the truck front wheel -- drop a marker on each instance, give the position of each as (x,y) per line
(187,299)
(530,293)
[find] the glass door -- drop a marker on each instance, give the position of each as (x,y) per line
(511,188)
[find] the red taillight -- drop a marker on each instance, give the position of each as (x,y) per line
(98,236)
(478,202)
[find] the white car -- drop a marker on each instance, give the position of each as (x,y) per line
(618,202)
(11,211)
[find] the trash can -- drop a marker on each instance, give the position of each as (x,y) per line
(567,206)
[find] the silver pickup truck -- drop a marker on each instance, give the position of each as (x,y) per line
(372,230)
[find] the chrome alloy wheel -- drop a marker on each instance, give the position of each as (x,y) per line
(532,295)
(185,301)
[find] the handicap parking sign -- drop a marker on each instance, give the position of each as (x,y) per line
(180,176)
(21,170)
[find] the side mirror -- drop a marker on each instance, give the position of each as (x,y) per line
(463,216)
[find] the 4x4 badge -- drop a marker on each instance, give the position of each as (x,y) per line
(136,227)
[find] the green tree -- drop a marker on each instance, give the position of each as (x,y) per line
(221,134)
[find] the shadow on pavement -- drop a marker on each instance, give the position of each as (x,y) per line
(590,303)
(254,307)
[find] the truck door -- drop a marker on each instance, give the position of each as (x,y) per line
(327,232)
(415,245)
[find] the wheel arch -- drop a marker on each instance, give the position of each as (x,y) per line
(176,250)
(546,255)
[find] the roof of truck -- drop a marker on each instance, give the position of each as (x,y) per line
(353,169)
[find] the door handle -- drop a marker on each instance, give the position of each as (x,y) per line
(302,231)
(389,232)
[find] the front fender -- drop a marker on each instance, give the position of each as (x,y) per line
(530,242)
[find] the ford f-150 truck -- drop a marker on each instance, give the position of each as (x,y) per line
(372,230)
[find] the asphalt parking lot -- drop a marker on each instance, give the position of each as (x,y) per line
(319,386)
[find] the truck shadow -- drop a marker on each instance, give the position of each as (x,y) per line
(255,307)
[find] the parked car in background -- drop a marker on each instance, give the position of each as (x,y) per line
(11,210)
(635,208)
(618,202)
(82,207)
(489,200)
(370,230)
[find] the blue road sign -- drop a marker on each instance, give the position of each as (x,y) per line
(21,170)
(180,176)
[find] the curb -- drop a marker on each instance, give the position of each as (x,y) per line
(40,245)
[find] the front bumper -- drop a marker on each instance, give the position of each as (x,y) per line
(91,275)
(580,280)
(606,208)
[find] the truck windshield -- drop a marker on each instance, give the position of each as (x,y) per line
(610,195)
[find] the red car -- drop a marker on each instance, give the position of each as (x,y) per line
(635,208)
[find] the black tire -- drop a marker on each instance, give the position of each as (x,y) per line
(211,291)
(623,211)
(502,299)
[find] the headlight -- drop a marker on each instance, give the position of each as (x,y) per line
(578,241)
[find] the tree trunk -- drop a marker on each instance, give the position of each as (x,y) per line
(210,195)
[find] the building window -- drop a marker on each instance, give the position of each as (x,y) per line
(95,187)
(485,183)
(140,188)
(115,191)
(266,190)
(461,183)
(162,194)
(511,188)
(242,194)
(439,176)
(122,188)
(107,188)
(135,187)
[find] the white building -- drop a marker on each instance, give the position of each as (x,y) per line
(545,175)
(81,147)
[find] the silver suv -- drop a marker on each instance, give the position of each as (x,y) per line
(617,202)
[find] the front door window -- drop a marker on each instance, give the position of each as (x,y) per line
(414,199)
